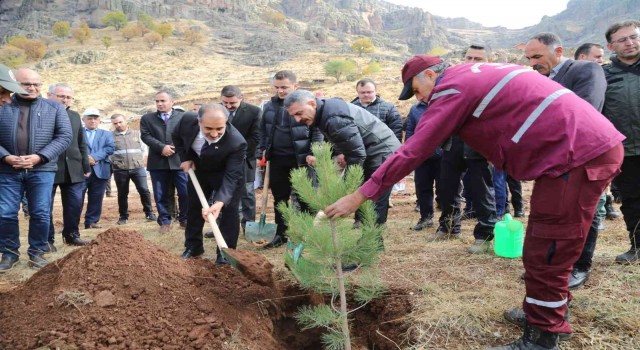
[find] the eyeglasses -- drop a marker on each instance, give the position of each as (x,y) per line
(35,85)
(63,97)
(633,37)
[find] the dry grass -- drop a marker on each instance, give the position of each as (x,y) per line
(458,298)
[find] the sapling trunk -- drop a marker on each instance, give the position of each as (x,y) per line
(343,295)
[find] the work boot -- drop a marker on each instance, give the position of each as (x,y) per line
(74,240)
(7,262)
(533,339)
(517,317)
(277,241)
(630,257)
(441,235)
(577,278)
(37,262)
(612,213)
(423,223)
(122,221)
(480,246)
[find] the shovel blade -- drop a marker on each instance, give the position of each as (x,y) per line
(260,231)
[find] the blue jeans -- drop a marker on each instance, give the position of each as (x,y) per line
(160,181)
(72,201)
(95,187)
(37,185)
(500,186)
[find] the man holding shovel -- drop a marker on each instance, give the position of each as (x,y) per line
(534,129)
(216,150)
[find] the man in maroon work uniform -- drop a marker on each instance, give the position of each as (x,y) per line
(534,129)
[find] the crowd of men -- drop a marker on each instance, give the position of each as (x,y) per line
(475,131)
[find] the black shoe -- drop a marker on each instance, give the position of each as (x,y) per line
(192,253)
(630,257)
(578,278)
(533,339)
(74,241)
(209,234)
(221,260)
(50,248)
(518,214)
(37,261)
(151,217)
(122,221)
(7,262)
(442,235)
(517,317)
(349,267)
(423,223)
(86,227)
(183,224)
(277,241)
(612,213)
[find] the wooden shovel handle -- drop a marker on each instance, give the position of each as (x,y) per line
(265,189)
(205,204)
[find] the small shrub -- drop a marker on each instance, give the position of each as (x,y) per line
(33,49)
(164,29)
(152,39)
(12,56)
(82,33)
(61,29)
(116,19)
(130,32)
(192,37)
(106,41)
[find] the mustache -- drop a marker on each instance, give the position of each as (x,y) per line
(537,67)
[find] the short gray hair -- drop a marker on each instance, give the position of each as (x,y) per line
(53,87)
(211,106)
(550,40)
(298,96)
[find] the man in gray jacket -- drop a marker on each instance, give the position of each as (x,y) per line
(33,133)
(359,136)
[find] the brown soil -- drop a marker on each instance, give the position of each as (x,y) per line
(123,292)
(254,266)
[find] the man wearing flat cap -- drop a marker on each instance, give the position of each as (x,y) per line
(534,129)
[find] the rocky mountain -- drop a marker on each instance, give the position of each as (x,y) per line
(404,30)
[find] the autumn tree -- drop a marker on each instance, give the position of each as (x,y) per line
(164,29)
(339,68)
(146,21)
(438,51)
(275,18)
(130,32)
(371,68)
(193,36)
(152,39)
(362,45)
(61,29)
(82,33)
(33,49)
(116,19)
(12,56)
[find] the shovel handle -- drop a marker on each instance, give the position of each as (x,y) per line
(265,189)
(212,220)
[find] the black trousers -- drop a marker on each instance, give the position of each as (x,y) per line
(452,169)
(628,183)
(281,188)
(139,178)
(229,221)
(426,175)
(515,187)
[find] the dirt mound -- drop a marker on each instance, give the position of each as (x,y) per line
(123,292)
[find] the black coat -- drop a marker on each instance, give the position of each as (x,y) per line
(247,121)
(221,165)
(74,160)
(155,134)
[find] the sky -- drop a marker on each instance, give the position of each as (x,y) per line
(512,14)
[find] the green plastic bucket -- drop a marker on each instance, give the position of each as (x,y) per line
(508,238)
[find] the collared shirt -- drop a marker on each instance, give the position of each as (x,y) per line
(91,134)
(197,144)
(366,105)
(164,116)
(557,68)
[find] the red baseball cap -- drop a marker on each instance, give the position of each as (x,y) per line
(411,68)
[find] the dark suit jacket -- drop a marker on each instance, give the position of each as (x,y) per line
(102,147)
(247,121)
(221,165)
(73,163)
(586,79)
(155,134)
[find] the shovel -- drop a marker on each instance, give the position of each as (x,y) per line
(261,231)
(254,266)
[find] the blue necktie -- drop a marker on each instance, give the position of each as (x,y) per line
(204,147)
(90,136)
